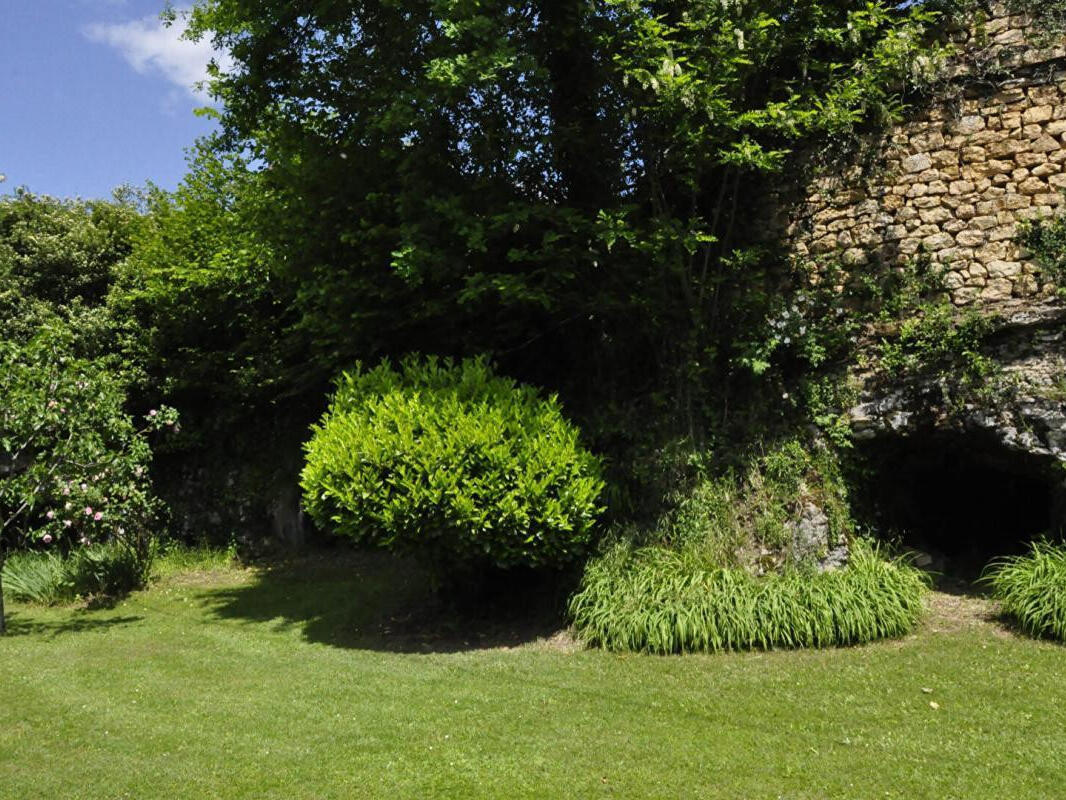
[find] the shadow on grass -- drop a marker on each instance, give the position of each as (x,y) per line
(17,625)
(374,601)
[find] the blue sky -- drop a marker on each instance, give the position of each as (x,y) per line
(95,94)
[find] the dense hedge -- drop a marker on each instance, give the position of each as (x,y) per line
(659,600)
(453,463)
(1032,589)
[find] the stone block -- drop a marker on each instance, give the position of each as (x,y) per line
(938,241)
(1003,233)
(935,215)
(1046,169)
(917,163)
(969,124)
(1030,159)
(1003,269)
(997,289)
(1032,186)
(1036,114)
(1045,144)
(970,238)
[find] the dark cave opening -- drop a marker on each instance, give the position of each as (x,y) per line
(960,499)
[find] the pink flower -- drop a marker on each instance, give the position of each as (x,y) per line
(152,413)
(83,540)
(88,511)
(67,523)
(66,490)
(99,515)
(85,487)
(51,515)
(47,538)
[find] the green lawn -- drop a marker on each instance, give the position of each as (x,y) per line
(319,681)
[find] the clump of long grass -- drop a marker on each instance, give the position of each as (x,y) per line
(1031,589)
(36,578)
(104,570)
(660,600)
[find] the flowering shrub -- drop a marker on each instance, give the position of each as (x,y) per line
(73,463)
(452,463)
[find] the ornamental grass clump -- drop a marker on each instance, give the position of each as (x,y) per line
(1031,589)
(453,464)
(658,600)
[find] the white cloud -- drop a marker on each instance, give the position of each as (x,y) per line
(152,48)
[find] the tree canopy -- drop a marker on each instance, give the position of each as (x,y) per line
(566,185)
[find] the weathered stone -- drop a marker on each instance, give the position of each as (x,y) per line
(970,238)
(1029,159)
(1038,114)
(1003,269)
(969,124)
(997,289)
(1044,170)
(1003,233)
(937,241)
(935,215)
(1045,144)
(917,163)
(1032,186)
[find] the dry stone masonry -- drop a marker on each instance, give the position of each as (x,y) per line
(954,181)
(953,184)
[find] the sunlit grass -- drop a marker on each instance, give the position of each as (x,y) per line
(305,681)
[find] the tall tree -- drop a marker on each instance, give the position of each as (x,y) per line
(568,184)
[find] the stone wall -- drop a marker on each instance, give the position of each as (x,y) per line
(954,181)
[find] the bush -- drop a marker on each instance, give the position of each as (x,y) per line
(1032,589)
(659,600)
(452,463)
(73,463)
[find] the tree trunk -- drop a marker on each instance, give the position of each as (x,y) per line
(3,618)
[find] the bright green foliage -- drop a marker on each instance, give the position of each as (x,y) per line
(663,601)
(453,463)
(1032,589)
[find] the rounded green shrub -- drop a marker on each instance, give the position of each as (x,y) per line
(1031,589)
(659,600)
(452,463)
